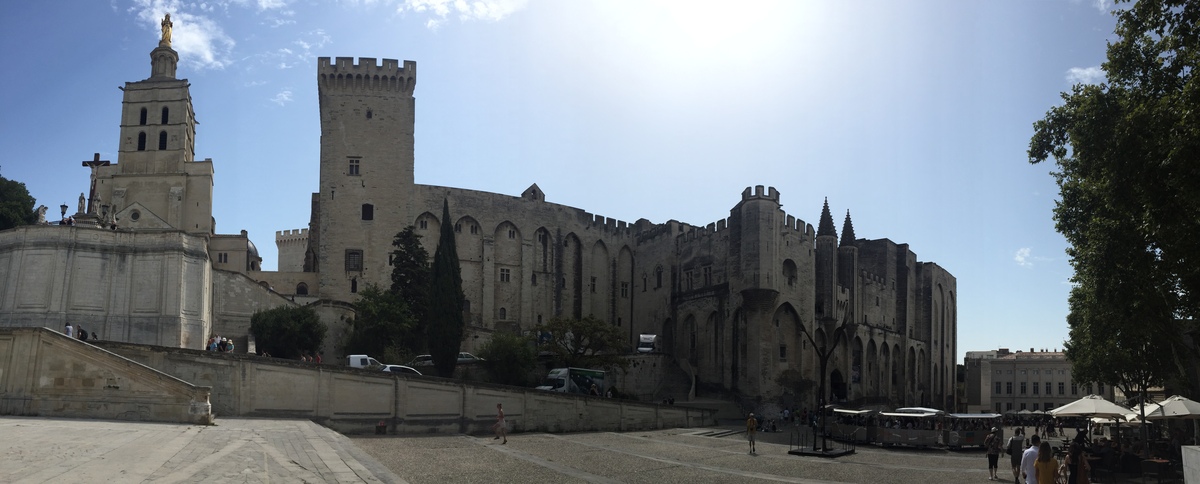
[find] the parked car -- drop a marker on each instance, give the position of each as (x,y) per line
(427,360)
(400,369)
(465,357)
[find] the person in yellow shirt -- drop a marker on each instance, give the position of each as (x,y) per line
(751,429)
(1046,466)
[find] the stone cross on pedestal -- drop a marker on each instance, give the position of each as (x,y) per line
(94,163)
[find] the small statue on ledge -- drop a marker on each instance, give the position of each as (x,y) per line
(166,31)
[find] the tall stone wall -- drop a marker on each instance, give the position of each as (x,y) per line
(44,373)
(236,297)
(353,400)
(151,288)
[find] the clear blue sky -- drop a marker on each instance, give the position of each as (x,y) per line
(915,116)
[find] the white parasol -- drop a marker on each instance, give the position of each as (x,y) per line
(1091,406)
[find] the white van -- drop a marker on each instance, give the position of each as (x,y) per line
(647,343)
(363,361)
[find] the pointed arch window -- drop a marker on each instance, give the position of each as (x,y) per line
(162,140)
(142,141)
(503,313)
(301,289)
(165,116)
(142,119)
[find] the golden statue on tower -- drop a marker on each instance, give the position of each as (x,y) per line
(166,31)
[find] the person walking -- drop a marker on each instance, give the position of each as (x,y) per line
(751,429)
(1013,448)
(1029,459)
(1046,466)
(1077,465)
(500,427)
(992,444)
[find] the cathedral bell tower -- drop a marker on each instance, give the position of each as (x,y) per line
(156,183)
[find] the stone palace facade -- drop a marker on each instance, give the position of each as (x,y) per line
(734,301)
(731,300)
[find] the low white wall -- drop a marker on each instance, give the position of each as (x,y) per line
(352,400)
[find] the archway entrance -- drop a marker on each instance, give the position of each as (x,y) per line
(837,386)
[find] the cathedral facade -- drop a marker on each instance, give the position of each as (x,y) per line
(748,303)
(141,263)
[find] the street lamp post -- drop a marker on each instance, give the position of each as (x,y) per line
(63,221)
(835,327)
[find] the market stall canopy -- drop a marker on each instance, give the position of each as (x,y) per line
(1091,406)
(1150,408)
(1177,407)
(1113,421)
(921,410)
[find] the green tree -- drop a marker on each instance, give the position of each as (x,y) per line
(411,279)
(1126,153)
(381,326)
(585,343)
(445,301)
(508,359)
(16,205)
(285,331)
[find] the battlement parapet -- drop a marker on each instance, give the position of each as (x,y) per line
(619,227)
(293,235)
(792,223)
(367,75)
(760,193)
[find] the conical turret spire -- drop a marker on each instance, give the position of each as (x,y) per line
(847,232)
(826,225)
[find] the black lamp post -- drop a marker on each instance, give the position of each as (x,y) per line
(63,207)
(833,332)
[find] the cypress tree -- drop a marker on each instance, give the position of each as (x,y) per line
(445,310)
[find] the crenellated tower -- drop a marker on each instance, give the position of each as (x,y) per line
(367,122)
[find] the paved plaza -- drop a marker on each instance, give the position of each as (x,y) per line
(287,451)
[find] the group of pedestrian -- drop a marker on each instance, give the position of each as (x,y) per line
(1034,462)
(79,333)
(305,356)
(218,343)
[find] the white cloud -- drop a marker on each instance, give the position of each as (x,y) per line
(1103,5)
(200,42)
(271,4)
(1022,257)
(465,10)
(1085,75)
(283,97)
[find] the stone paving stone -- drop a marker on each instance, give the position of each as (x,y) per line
(236,450)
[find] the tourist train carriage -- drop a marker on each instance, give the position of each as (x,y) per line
(912,426)
(969,429)
(856,426)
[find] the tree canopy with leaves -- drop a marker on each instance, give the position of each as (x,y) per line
(585,343)
(411,280)
(508,358)
(446,298)
(381,327)
(285,331)
(1128,168)
(16,205)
